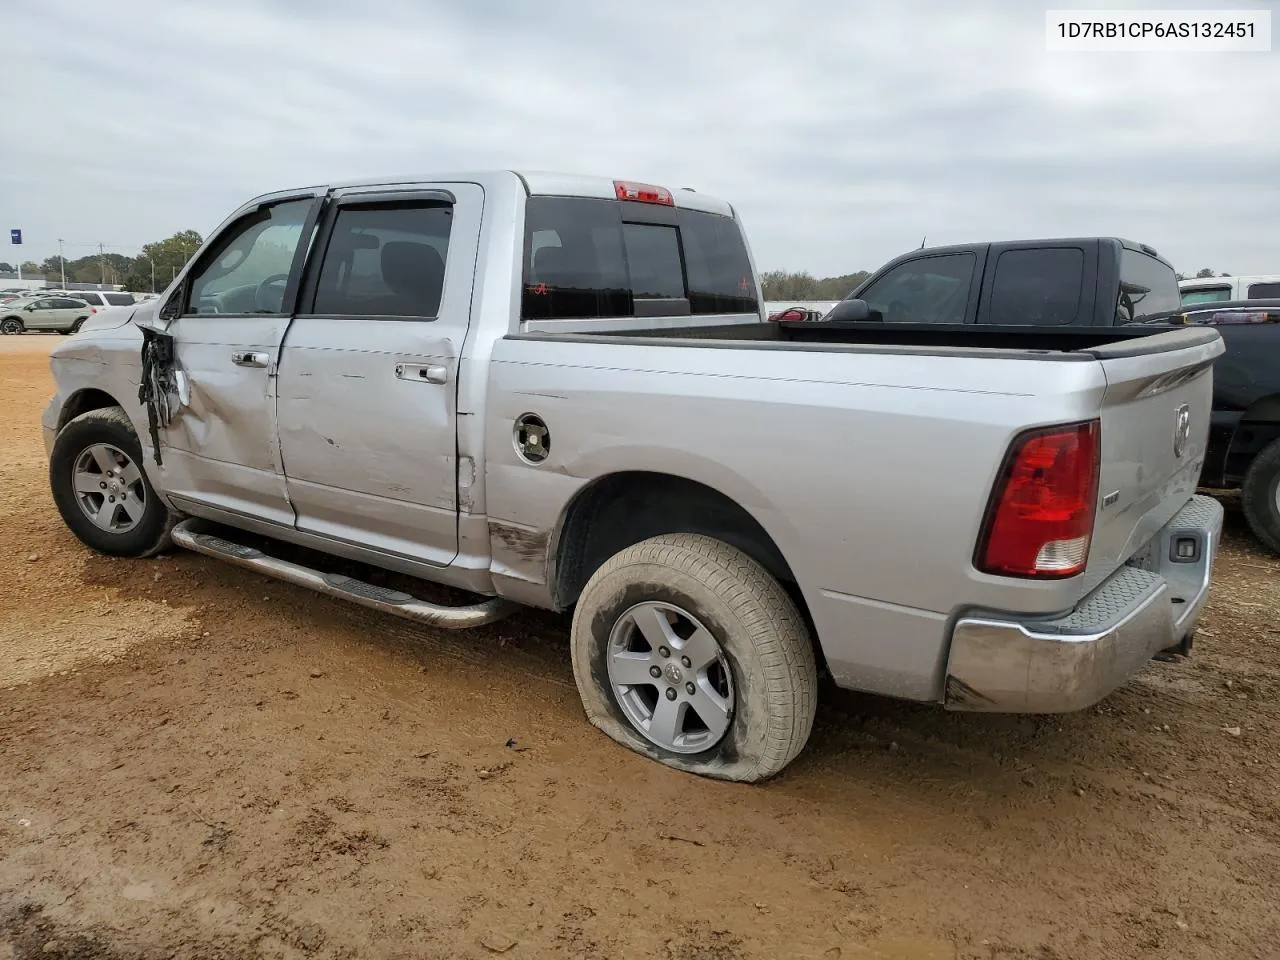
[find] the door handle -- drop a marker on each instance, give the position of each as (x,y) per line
(250,359)
(434,373)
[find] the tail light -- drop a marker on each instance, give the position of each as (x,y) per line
(93,309)
(643,193)
(1040,520)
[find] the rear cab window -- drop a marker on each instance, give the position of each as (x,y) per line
(610,259)
(119,299)
(1264,291)
(1147,286)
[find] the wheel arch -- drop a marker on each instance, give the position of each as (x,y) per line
(620,509)
(84,400)
(1257,428)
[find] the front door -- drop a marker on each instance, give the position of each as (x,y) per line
(227,319)
(367,385)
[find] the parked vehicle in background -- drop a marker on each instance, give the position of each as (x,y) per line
(1058,288)
(44,313)
(1072,282)
(790,314)
(1220,289)
(104,298)
(1244,435)
(561,392)
(797,309)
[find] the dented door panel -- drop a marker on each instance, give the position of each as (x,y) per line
(220,446)
(367,404)
(371,456)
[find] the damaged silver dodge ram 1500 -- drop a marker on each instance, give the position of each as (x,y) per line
(562,392)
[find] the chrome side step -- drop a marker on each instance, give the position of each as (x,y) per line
(188,535)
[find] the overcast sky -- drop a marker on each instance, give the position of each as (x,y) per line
(843,132)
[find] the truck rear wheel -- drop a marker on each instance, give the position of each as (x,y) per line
(101,490)
(687,651)
(1260,496)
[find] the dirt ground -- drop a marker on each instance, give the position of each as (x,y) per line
(196,762)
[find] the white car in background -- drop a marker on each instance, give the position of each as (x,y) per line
(1223,289)
(62,314)
(105,298)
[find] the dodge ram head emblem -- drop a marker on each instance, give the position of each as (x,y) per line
(1181,429)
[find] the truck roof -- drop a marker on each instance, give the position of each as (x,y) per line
(1039,242)
(541,183)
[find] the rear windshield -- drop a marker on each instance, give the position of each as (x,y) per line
(119,299)
(1205,295)
(587,259)
(1264,291)
(1147,286)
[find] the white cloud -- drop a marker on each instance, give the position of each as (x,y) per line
(842,132)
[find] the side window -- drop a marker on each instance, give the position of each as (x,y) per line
(925,290)
(1264,291)
(69,304)
(92,299)
(1147,286)
(119,299)
(1037,287)
(43,304)
(385,260)
(247,270)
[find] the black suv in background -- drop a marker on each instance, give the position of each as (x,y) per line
(1063,285)
(1244,435)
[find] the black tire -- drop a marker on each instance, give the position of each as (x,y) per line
(75,327)
(11,325)
(1259,493)
(760,631)
(109,425)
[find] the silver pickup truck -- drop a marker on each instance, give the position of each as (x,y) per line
(562,392)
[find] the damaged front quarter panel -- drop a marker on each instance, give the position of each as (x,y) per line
(163,389)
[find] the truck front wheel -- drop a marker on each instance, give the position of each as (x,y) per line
(101,490)
(687,651)
(1260,496)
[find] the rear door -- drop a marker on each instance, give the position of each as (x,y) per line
(368,380)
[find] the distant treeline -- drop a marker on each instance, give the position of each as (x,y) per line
(781,285)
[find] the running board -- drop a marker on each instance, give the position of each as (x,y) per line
(187,534)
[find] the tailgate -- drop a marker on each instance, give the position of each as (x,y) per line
(1155,426)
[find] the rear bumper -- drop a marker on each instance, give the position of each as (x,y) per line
(1056,666)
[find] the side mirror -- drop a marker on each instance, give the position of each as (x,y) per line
(849,311)
(30,308)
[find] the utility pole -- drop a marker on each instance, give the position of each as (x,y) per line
(62,262)
(103,261)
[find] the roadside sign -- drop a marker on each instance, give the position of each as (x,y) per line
(15,236)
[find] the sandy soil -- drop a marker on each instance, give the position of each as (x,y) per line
(199,763)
